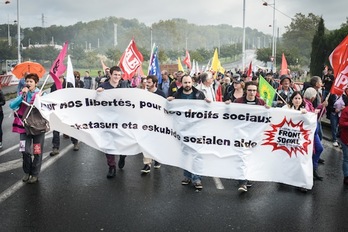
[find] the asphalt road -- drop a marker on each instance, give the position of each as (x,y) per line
(73,194)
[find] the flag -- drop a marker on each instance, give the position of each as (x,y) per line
(180,68)
(266,91)
(130,60)
(215,63)
(187,60)
(70,73)
(58,67)
(154,68)
(250,71)
(193,70)
(104,66)
(284,67)
(197,67)
(339,62)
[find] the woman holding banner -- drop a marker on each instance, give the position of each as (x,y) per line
(310,96)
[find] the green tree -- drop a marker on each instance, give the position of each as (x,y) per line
(114,54)
(78,53)
(299,35)
(318,50)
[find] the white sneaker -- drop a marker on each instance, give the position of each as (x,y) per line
(335,144)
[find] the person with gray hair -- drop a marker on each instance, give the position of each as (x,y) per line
(206,86)
(309,97)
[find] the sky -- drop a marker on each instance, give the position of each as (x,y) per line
(200,12)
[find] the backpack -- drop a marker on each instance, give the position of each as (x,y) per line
(33,121)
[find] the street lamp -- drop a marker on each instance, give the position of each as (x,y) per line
(18,31)
(273,35)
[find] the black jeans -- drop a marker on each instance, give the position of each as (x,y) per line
(56,140)
(1,119)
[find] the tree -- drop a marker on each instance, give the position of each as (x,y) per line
(300,33)
(78,53)
(114,54)
(318,50)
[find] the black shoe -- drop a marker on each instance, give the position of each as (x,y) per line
(146,169)
(302,190)
(157,165)
(121,161)
(321,161)
(249,184)
(316,175)
(111,173)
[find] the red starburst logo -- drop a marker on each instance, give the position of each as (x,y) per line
(289,137)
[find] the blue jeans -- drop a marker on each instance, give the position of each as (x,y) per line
(345,159)
(317,150)
(193,177)
(334,126)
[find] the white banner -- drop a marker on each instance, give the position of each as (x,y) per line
(211,139)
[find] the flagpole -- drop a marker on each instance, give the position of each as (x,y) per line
(243,48)
(44,83)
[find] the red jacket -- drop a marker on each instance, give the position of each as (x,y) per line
(343,124)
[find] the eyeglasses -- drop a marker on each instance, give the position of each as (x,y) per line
(251,90)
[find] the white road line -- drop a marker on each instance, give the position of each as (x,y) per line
(19,184)
(218,183)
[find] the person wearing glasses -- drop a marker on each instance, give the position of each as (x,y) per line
(249,98)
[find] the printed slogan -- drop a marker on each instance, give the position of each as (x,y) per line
(211,139)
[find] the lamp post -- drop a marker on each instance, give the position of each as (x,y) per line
(19,33)
(273,35)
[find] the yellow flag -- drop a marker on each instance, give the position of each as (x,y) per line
(215,64)
(180,68)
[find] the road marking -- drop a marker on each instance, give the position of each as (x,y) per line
(218,183)
(19,184)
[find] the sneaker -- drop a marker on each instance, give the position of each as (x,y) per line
(25,177)
(157,165)
(321,161)
(146,169)
(242,188)
(54,152)
(185,181)
(198,185)
(335,144)
(249,184)
(76,147)
(33,179)
(0,145)
(121,161)
(111,173)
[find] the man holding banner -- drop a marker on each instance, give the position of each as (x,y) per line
(114,82)
(187,91)
(251,99)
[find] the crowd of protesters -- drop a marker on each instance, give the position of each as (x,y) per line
(229,87)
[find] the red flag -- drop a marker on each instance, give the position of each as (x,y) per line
(250,71)
(187,60)
(339,62)
(58,67)
(130,60)
(284,68)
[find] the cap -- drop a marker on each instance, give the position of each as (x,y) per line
(237,80)
(236,76)
(283,77)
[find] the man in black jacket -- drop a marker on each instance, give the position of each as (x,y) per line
(188,91)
